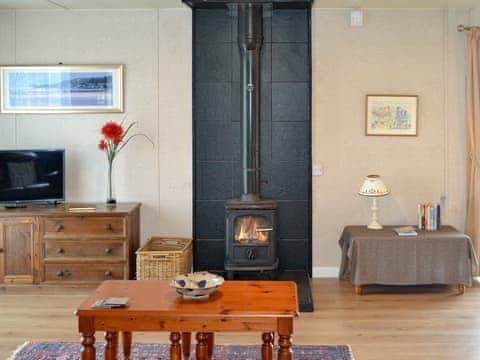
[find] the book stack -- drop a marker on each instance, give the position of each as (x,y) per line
(111,303)
(405,231)
(428,216)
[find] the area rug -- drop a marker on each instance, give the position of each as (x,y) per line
(71,351)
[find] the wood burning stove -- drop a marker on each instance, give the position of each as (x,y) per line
(251,237)
(251,241)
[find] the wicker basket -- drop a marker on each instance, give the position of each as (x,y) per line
(162,258)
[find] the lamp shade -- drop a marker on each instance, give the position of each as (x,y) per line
(373,186)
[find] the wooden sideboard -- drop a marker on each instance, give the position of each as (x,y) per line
(51,244)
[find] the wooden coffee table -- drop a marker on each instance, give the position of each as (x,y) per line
(266,307)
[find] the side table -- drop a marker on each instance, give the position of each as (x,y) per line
(381,257)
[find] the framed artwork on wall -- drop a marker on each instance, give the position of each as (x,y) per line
(61,89)
(394,115)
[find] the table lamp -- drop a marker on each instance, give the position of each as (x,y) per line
(373,187)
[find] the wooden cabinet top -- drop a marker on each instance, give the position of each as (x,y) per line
(101,209)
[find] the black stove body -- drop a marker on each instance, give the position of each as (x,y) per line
(251,239)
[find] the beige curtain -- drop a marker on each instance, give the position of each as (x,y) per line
(473,129)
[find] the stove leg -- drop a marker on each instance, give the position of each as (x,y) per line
(230,275)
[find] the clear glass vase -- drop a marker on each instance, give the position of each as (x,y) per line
(111,201)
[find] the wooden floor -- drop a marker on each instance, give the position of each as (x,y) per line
(385,323)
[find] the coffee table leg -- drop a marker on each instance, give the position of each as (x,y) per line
(87,329)
(186,344)
(108,350)
(127,344)
(210,344)
(88,348)
(267,346)
(285,351)
(285,331)
(202,346)
(175,348)
(115,345)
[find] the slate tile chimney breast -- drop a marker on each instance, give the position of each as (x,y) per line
(252,129)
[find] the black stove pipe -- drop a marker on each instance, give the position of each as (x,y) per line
(250,42)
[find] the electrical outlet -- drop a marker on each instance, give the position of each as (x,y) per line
(356,18)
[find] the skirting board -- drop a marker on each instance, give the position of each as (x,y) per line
(325,272)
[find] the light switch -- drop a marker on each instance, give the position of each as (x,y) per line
(317,170)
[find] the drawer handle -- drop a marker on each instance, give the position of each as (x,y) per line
(108,250)
(108,273)
(60,251)
(58,227)
(108,227)
(65,273)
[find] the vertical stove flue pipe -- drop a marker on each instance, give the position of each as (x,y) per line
(250,39)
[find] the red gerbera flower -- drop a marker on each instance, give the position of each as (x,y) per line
(117,140)
(102,145)
(112,131)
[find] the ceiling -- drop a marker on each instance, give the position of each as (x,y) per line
(141,4)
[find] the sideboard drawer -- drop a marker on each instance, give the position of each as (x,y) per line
(83,272)
(56,249)
(80,226)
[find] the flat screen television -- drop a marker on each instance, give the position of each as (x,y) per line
(30,176)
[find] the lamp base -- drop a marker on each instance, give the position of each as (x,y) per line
(374,225)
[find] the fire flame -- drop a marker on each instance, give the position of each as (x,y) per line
(250,232)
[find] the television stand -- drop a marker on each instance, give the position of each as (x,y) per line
(45,244)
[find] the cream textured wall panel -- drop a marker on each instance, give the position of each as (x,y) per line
(175,114)
(476,16)
(7,56)
(128,37)
(396,52)
(456,129)
(7,37)
(125,37)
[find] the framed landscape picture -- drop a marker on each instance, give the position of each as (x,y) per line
(391,115)
(61,89)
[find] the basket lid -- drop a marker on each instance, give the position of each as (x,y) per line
(166,244)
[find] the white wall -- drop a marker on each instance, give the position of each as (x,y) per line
(155,46)
(398,51)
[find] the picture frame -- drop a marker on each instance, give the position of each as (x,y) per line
(391,115)
(50,89)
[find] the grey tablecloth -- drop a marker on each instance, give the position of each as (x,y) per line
(382,257)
